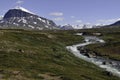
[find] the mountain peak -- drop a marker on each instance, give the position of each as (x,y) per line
(24,19)
(23,9)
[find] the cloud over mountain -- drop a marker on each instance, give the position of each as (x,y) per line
(56,14)
(59,19)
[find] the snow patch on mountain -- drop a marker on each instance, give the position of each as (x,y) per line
(23,9)
(35,22)
(43,21)
(48,22)
(31,26)
(1,17)
(46,26)
(39,28)
(16,24)
(39,19)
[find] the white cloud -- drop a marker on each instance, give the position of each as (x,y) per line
(78,21)
(88,23)
(19,2)
(59,19)
(118,19)
(56,14)
(72,16)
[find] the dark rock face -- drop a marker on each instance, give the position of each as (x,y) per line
(116,24)
(16,13)
(16,18)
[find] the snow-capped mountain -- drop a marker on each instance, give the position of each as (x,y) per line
(70,27)
(20,17)
(67,27)
(23,9)
(78,26)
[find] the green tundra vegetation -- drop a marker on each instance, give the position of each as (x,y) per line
(111,48)
(42,55)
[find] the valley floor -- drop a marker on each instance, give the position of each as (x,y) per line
(42,55)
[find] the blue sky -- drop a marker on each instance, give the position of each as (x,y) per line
(70,11)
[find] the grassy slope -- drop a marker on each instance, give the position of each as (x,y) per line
(28,55)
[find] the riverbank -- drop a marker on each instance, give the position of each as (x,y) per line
(109,65)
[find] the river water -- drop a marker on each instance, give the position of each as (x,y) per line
(110,65)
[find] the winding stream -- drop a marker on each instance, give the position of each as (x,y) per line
(110,65)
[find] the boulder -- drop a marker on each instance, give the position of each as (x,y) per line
(21,51)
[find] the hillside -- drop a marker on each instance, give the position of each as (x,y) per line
(114,25)
(34,55)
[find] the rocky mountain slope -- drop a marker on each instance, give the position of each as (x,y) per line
(116,24)
(113,25)
(20,17)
